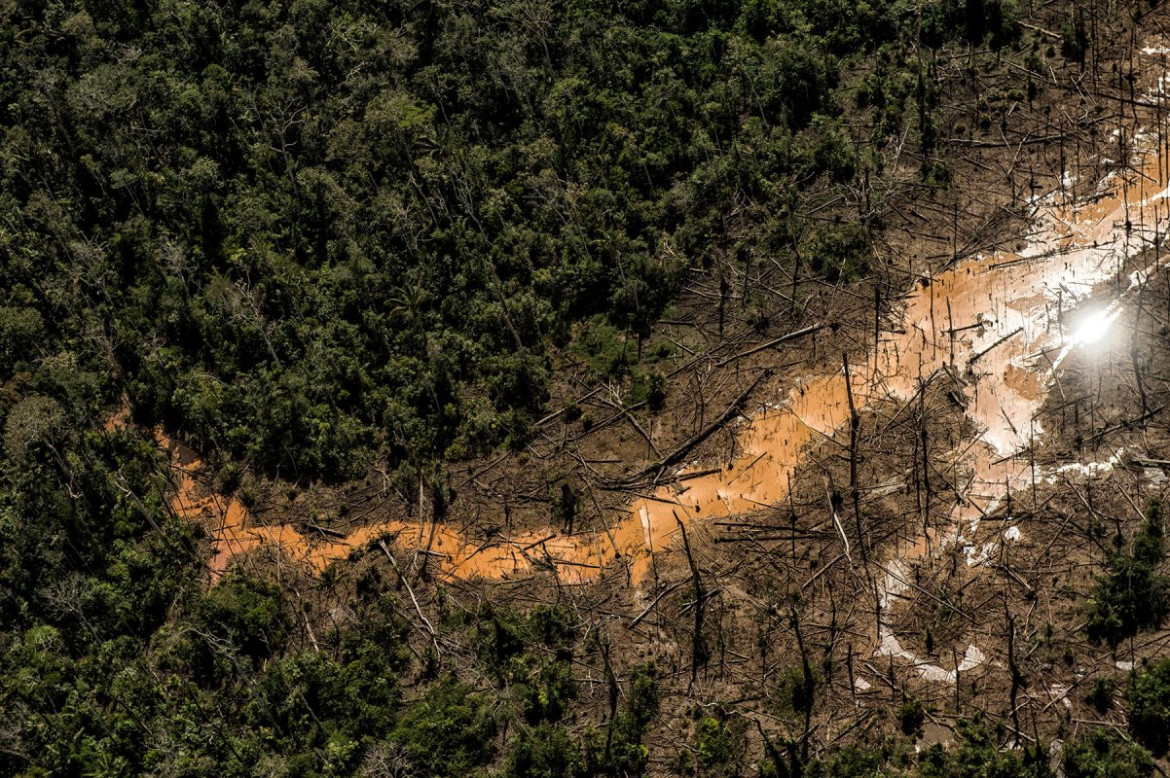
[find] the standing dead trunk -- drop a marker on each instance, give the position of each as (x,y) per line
(698,647)
(1014,669)
(854,491)
(925,450)
(1133,349)
(611,681)
(809,685)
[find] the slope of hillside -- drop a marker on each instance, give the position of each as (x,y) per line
(583,389)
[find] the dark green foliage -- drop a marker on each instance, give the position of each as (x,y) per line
(649,388)
(311,236)
(839,251)
(619,751)
(545,751)
(717,749)
(90,567)
(246,613)
(500,640)
(1100,695)
(549,751)
(449,732)
(21,329)
(604,349)
(1074,37)
(1148,707)
(1133,594)
(910,717)
(853,762)
(641,701)
(796,690)
(87,543)
(994,19)
(531,657)
(1105,755)
(552,625)
(976,754)
(308,699)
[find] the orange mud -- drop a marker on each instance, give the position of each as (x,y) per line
(1023,301)
(1073,248)
(234,533)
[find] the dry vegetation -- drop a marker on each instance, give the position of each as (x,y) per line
(767,622)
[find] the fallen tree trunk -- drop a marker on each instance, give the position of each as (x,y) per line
(677,455)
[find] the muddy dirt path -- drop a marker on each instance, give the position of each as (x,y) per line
(1000,321)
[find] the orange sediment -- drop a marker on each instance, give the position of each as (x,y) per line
(234,532)
(992,319)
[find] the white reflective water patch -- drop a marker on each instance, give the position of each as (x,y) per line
(1079,472)
(980,555)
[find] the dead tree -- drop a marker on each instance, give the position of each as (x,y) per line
(698,646)
(854,491)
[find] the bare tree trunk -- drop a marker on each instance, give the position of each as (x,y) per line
(809,685)
(698,649)
(1133,349)
(855,493)
(611,680)
(1013,668)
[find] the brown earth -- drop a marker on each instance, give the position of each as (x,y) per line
(788,562)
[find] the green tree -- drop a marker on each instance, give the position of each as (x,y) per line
(447,733)
(1133,594)
(1148,707)
(1103,755)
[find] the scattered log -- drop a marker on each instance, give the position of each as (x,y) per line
(655,602)
(771,343)
(971,362)
(1125,424)
(677,455)
(418,609)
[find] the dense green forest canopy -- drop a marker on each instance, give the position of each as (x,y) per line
(313,234)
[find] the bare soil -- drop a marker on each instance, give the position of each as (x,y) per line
(791,580)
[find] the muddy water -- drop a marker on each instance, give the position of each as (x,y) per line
(770,446)
(996,320)
(233,533)
(1003,321)
(1024,305)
